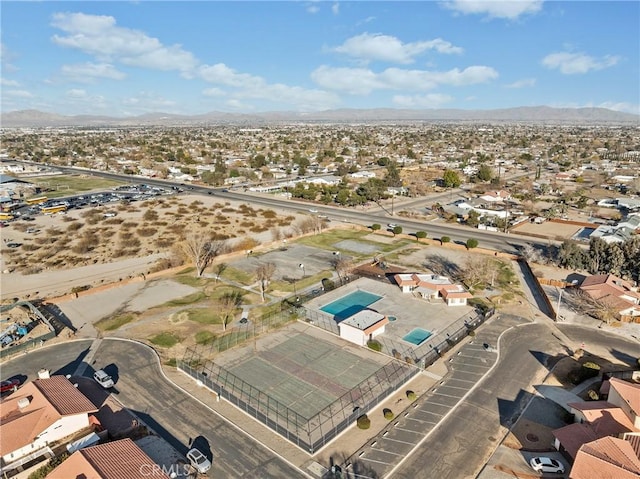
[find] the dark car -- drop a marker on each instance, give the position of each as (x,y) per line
(9,385)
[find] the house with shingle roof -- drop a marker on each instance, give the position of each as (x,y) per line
(615,292)
(121,459)
(41,413)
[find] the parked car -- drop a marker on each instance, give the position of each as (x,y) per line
(199,460)
(546,464)
(103,379)
(9,385)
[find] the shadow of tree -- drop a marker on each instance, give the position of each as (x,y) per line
(441,265)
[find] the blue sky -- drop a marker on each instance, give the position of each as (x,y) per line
(130,58)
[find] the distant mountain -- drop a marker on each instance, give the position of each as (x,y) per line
(536,114)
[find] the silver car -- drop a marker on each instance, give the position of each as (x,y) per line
(199,460)
(103,379)
(546,464)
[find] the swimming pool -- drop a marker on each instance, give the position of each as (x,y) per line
(417,336)
(350,304)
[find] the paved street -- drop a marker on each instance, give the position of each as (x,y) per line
(169,411)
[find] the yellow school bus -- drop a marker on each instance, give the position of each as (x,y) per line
(50,210)
(36,201)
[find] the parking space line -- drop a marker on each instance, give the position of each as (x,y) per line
(421,420)
(400,441)
(387,452)
(373,460)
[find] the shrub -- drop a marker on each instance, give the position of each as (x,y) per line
(411,396)
(363,422)
(375,345)
(421,234)
(472,243)
(44,471)
(375,227)
(445,239)
(388,414)
(593,395)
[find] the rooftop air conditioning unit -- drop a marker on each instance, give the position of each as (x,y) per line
(23,402)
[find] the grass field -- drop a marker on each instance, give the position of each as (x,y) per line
(113,323)
(64,185)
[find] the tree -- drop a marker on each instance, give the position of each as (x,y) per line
(397,230)
(376,226)
(219,269)
(342,267)
(264,272)
(451,179)
(485,173)
(201,250)
(445,239)
(227,306)
(472,243)
(473,219)
(421,234)
(478,271)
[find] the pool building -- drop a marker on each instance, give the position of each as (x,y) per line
(432,286)
(363,326)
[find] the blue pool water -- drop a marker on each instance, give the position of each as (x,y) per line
(350,304)
(417,336)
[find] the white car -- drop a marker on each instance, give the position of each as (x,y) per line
(199,461)
(391,225)
(546,464)
(103,379)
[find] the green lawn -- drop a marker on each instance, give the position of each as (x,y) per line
(237,275)
(65,185)
(190,299)
(204,337)
(113,323)
(204,316)
(165,339)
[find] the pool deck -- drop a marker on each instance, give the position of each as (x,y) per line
(411,312)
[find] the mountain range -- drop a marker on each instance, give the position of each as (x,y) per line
(537,114)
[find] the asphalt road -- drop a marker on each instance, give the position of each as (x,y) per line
(170,412)
(464,440)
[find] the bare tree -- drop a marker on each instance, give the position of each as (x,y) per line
(202,250)
(219,269)
(342,267)
(227,306)
(598,308)
(478,271)
(264,272)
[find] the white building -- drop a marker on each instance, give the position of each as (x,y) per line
(363,326)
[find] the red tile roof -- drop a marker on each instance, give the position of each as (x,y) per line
(63,396)
(113,460)
(628,391)
(606,458)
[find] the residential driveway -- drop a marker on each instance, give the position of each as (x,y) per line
(179,419)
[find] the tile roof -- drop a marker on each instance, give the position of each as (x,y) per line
(20,426)
(606,458)
(121,459)
(627,391)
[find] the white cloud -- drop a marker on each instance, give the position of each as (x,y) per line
(148,101)
(76,93)
(366,20)
(6,82)
(87,72)
(6,56)
(621,106)
(387,48)
(98,35)
(335,8)
(510,9)
(213,92)
(361,81)
(313,9)
(255,87)
(574,63)
(524,83)
(18,93)
(238,105)
(430,100)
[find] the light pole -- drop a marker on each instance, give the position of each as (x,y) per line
(301,266)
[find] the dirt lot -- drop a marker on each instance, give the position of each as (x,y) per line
(129,243)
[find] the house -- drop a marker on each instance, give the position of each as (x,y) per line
(497,196)
(594,420)
(615,292)
(113,460)
(363,326)
(41,413)
(609,457)
(432,286)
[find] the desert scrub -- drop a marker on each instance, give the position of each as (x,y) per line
(388,414)
(363,422)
